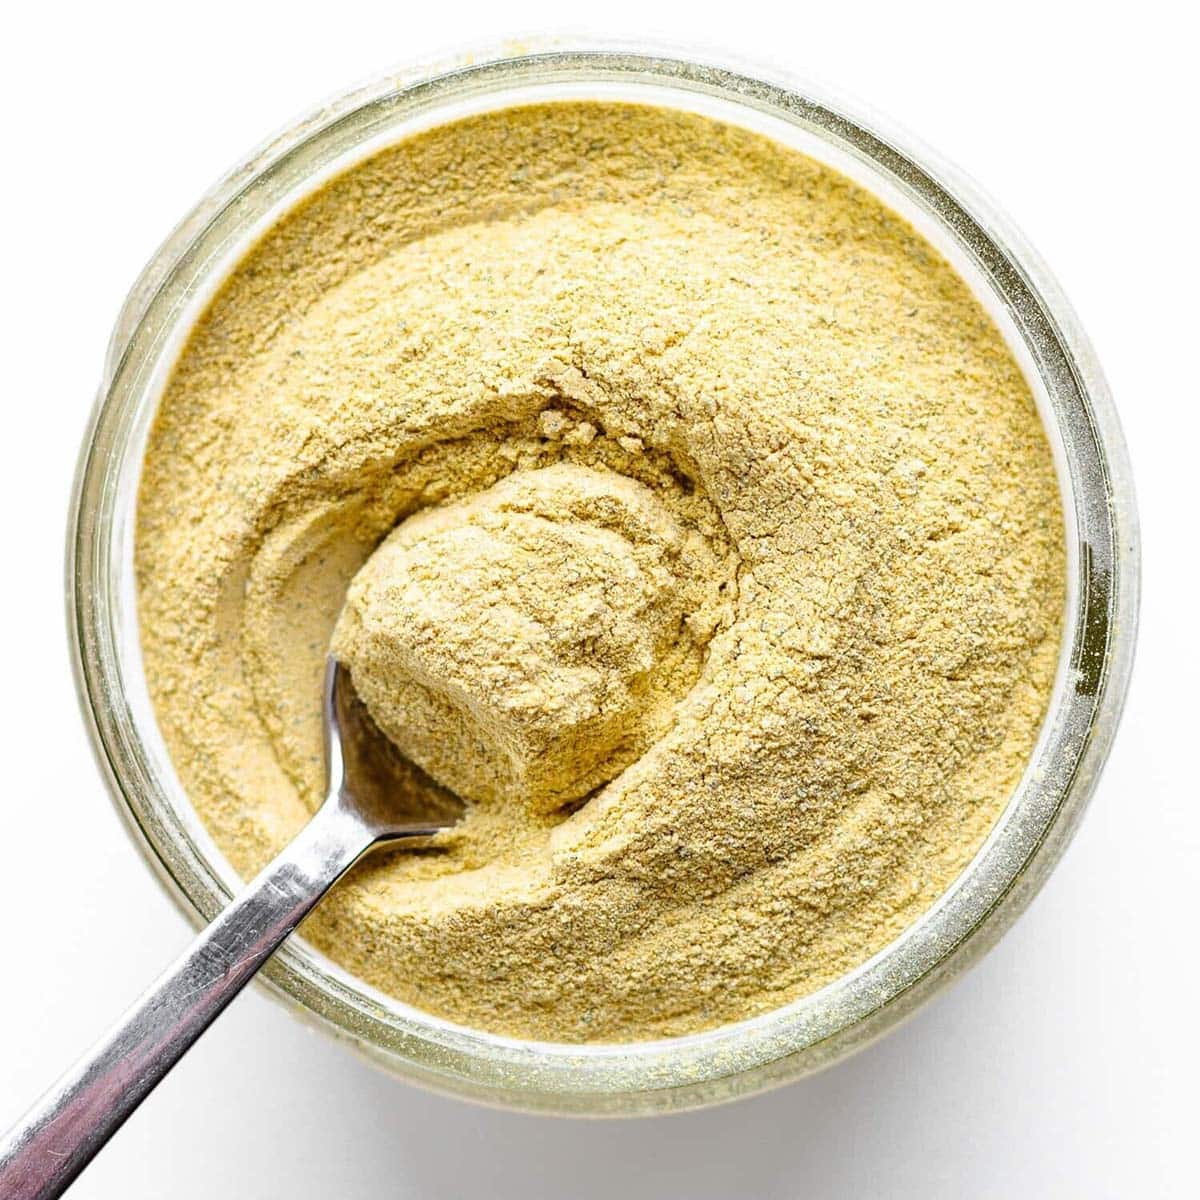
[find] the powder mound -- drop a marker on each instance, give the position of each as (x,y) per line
(674,340)
(527,643)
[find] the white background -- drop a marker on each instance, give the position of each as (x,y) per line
(1065,1065)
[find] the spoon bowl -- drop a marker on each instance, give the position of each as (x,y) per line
(388,793)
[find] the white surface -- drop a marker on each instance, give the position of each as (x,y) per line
(1064,1065)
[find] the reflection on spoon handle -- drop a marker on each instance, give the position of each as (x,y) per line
(59,1136)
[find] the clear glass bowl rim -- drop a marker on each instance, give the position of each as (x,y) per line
(736,1059)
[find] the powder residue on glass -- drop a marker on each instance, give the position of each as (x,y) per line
(669,498)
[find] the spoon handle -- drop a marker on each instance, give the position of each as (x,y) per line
(57,1138)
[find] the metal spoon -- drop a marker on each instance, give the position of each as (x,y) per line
(375,796)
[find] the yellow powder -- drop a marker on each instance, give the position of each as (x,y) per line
(691,518)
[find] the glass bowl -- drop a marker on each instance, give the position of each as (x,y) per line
(1099,629)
